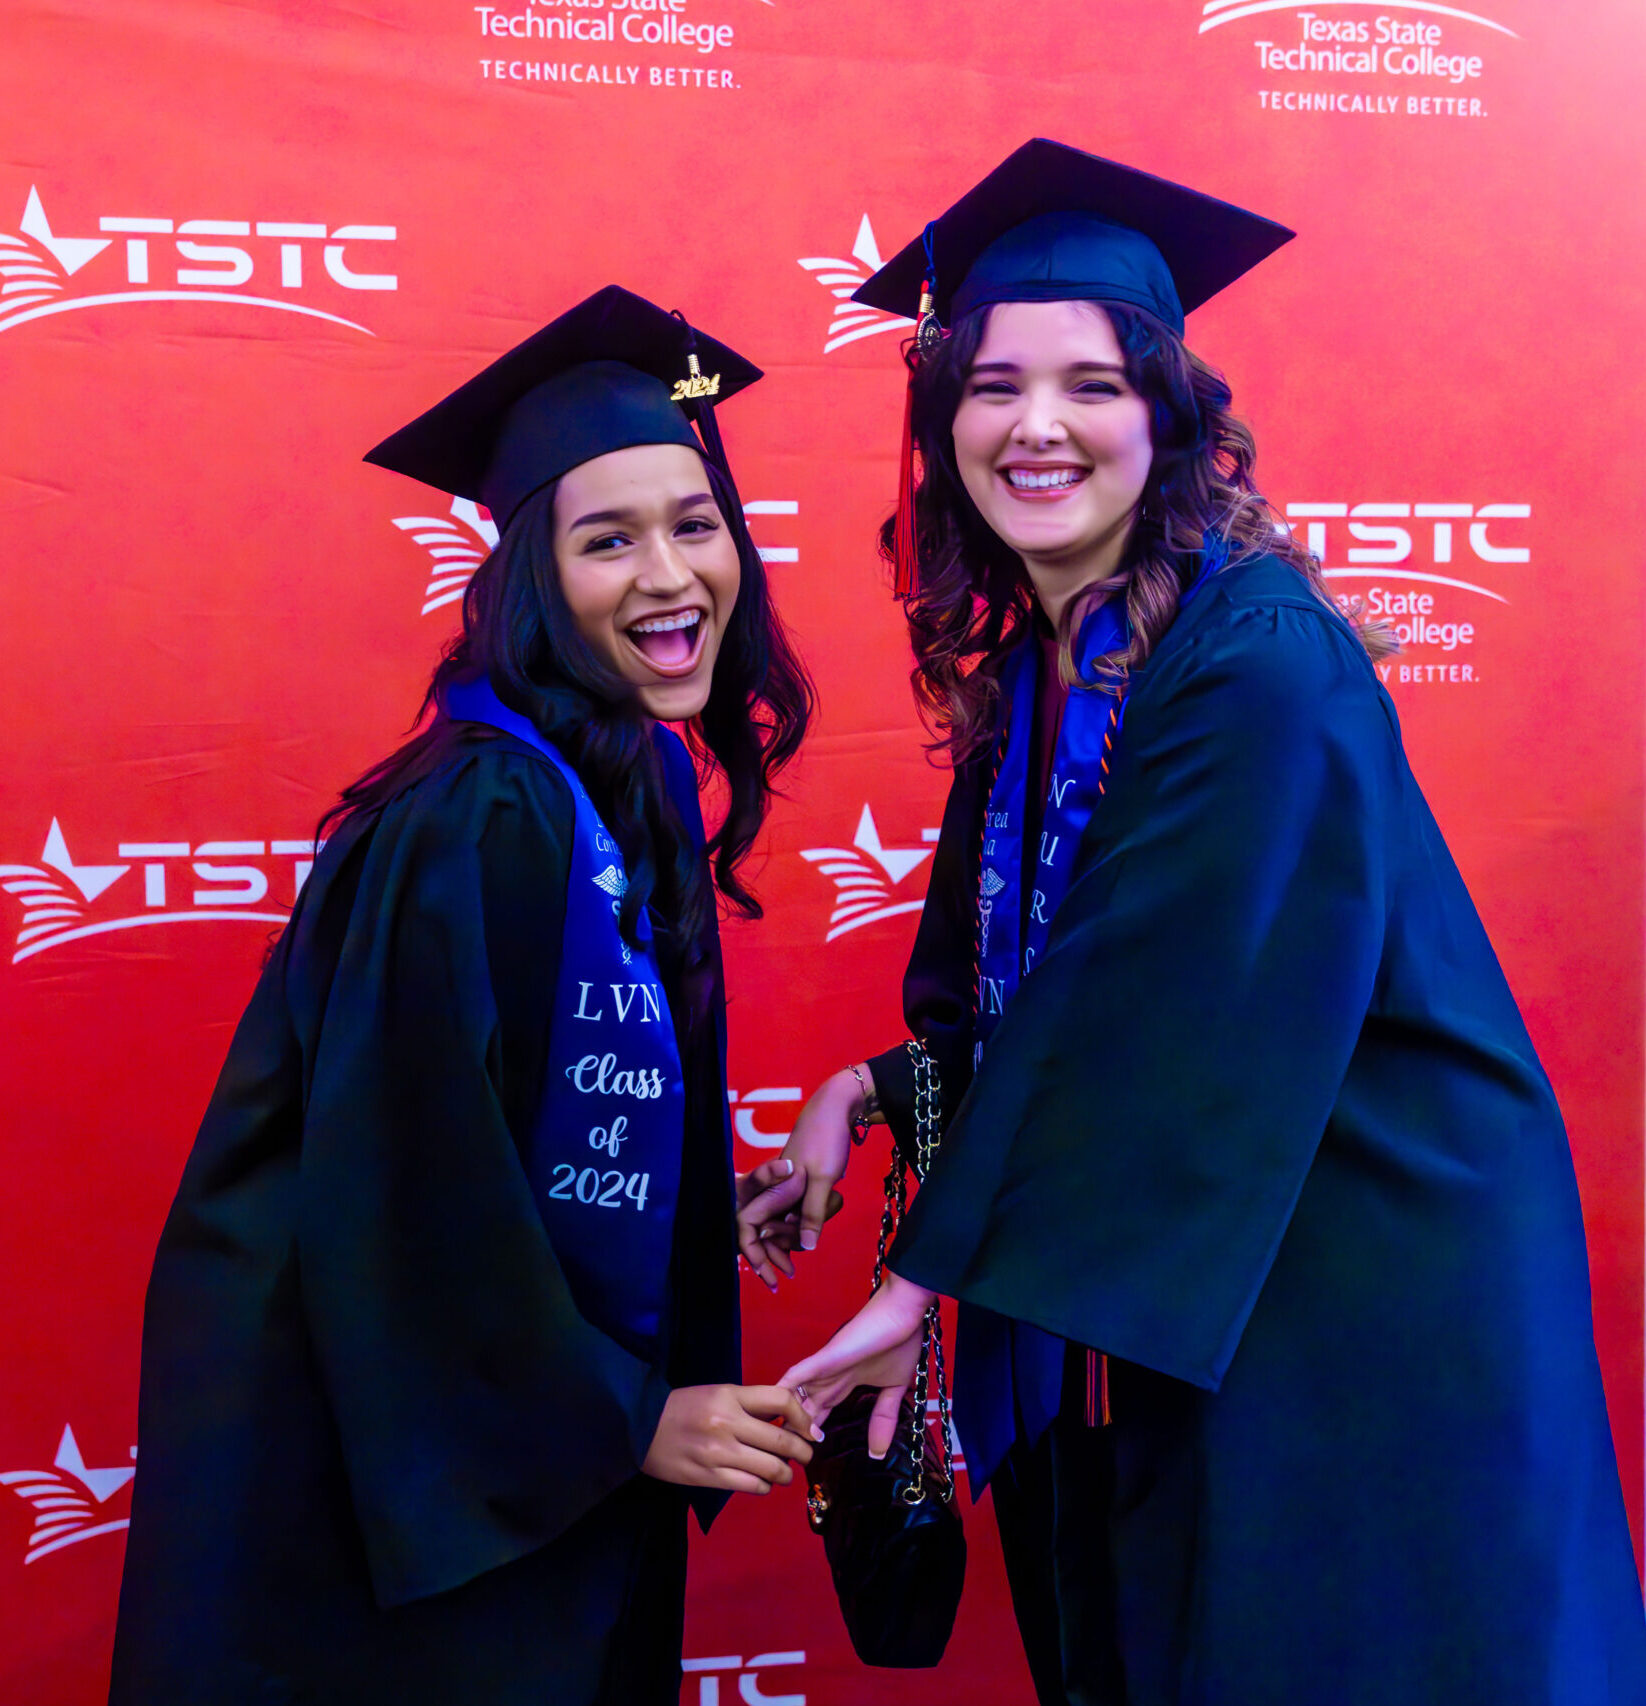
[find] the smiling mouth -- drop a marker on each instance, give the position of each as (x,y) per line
(670,643)
(1043,482)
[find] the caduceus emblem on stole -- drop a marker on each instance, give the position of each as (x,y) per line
(990,884)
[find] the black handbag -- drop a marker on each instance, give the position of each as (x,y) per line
(891,1532)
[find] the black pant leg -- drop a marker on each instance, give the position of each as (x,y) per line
(1053,1505)
(643,1653)
(1083,1565)
(1152,1519)
(1024,1507)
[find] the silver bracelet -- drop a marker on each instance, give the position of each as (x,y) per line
(868,1112)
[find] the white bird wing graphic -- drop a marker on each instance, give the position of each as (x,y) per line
(62,1511)
(992,883)
(55,893)
(457,545)
(35,263)
(49,904)
(841,277)
(612,881)
(29,275)
(66,1500)
(864,876)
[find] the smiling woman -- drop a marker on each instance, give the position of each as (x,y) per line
(1052,443)
(1070,450)
(1275,1347)
(441,1341)
(650,571)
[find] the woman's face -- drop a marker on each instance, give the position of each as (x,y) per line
(1052,442)
(649,570)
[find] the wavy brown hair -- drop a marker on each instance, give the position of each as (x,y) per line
(973,595)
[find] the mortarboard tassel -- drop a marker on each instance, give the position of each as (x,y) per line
(928,339)
(905,549)
(709,430)
(697,390)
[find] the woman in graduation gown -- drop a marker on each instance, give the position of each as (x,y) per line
(442,1335)
(1275,1340)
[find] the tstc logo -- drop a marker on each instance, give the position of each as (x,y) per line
(71,1503)
(1415,57)
(868,876)
(1384,537)
(746,1674)
(207,882)
(165,260)
(840,277)
(1419,567)
(458,543)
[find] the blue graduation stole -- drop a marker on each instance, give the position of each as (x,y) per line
(1009,1375)
(604,1156)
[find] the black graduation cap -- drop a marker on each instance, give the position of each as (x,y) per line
(613,372)
(1055,224)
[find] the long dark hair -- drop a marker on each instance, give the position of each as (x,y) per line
(973,594)
(519,632)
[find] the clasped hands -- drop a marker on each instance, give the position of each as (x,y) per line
(782,1205)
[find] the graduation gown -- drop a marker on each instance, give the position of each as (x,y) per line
(1264,1125)
(383,1458)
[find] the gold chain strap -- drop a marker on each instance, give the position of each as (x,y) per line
(928,1116)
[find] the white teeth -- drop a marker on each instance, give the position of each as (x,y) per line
(663,624)
(1026,481)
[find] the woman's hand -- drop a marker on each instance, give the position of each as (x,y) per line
(737,1438)
(819,1147)
(879,1346)
(766,1198)
(767,1219)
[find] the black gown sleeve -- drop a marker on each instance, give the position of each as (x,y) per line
(479,1413)
(1134,1142)
(938,987)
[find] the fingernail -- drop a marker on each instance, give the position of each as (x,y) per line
(786,1168)
(878,1456)
(808,1239)
(817,1434)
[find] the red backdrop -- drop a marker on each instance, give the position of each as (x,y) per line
(238,243)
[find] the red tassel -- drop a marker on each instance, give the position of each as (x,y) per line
(905,553)
(1097,1390)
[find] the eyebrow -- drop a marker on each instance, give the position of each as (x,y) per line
(1073,367)
(603,517)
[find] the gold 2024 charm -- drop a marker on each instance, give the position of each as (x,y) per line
(695,384)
